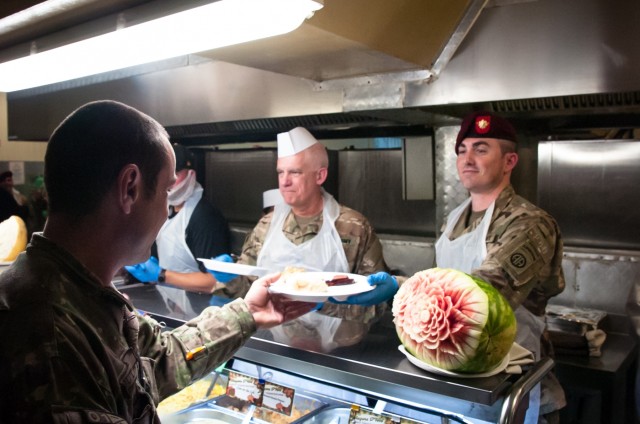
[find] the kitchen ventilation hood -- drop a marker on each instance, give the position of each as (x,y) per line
(558,69)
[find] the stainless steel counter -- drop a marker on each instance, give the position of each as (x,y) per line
(374,367)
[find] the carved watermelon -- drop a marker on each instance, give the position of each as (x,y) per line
(454,321)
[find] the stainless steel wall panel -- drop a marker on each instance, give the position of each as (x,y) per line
(236,179)
(370,181)
(598,279)
(538,49)
(449,191)
(407,255)
(591,188)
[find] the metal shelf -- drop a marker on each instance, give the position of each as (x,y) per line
(375,367)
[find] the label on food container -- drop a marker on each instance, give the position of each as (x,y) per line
(245,387)
(278,398)
(358,415)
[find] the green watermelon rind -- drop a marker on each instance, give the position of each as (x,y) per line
(497,336)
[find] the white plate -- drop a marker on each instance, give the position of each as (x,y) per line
(234,268)
(6,263)
(339,293)
(417,362)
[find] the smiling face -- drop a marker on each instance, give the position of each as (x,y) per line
(485,164)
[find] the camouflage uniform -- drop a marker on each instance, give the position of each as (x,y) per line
(359,240)
(524,262)
(524,252)
(73,351)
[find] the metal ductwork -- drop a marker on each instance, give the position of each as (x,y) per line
(557,69)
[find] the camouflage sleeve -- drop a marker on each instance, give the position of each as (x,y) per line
(360,242)
(523,260)
(220,332)
(254,241)
(239,286)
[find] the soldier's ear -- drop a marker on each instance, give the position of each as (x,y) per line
(129,187)
(321,176)
(511,160)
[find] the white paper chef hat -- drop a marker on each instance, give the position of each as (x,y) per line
(294,141)
(271,198)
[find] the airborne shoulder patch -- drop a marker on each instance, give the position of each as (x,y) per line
(524,256)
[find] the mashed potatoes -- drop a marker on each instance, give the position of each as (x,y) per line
(305,283)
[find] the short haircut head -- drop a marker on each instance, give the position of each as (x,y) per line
(87,151)
(507,146)
(317,156)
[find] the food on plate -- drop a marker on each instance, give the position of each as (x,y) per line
(13,238)
(304,282)
(340,280)
(296,279)
(454,321)
(293,269)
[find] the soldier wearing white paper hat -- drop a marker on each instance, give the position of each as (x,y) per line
(311,230)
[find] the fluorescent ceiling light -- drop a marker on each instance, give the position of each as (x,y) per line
(218,24)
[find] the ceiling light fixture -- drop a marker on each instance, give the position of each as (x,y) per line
(218,24)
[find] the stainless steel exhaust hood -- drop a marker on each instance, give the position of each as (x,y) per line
(553,67)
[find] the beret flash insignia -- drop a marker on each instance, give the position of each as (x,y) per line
(483,124)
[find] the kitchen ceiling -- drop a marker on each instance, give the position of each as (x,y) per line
(346,38)
(344,43)
(352,38)
(396,63)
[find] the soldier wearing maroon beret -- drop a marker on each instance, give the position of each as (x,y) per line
(506,240)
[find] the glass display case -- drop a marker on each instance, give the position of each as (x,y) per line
(372,373)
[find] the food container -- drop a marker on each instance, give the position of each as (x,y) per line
(331,415)
(208,387)
(303,405)
(340,415)
(203,414)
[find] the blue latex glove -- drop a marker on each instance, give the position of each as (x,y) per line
(146,271)
(386,287)
(219,301)
(223,277)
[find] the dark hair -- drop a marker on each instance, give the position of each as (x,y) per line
(90,147)
(184,157)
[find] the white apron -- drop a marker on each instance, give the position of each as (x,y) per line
(467,253)
(324,252)
(174,254)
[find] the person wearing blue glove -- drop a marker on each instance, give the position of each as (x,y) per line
(223,277)
(79,351)
(145,272)
(385,288)
(309,229)
(494,227)
(195,228)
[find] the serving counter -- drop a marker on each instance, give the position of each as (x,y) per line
(376,370)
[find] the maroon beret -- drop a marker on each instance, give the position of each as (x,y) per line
(485,125)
